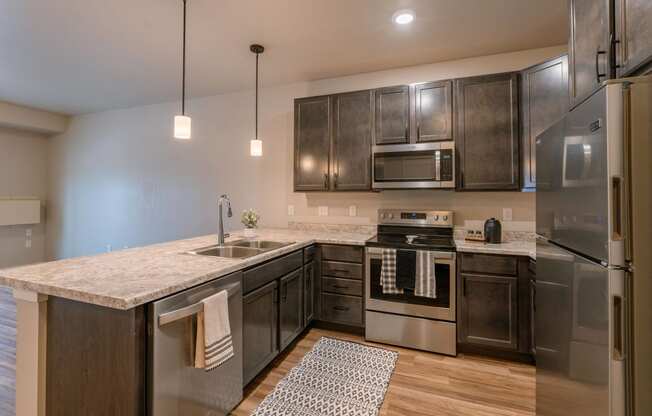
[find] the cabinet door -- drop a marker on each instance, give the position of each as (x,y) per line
(434,111)
(352,124)
(308,293)
(487,132)
(544,99)
(634,32)
(392,118)
(291,307)
(488,311)
(588,47)
(260,329)
(311,144)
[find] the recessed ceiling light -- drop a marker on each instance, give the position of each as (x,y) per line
(403,17)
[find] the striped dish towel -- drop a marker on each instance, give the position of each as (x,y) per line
(425,284)
(388,273)
(214,344)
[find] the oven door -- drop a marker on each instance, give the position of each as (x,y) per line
(414,166)
(441,308)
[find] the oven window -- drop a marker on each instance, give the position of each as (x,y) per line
(410,166)
(442,277)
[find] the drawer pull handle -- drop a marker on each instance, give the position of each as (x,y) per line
(341,308)
(339,271)
(340,287)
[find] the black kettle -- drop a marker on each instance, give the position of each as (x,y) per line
(492,231)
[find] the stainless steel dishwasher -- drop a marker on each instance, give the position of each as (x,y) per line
(174,386)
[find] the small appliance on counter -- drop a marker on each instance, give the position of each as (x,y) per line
(492,231)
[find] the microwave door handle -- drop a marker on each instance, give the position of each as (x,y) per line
(438,165)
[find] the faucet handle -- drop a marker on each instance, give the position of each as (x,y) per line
(227,235)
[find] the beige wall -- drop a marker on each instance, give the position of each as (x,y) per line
(118,178)
(23,164)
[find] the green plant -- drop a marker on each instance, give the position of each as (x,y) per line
(250,218)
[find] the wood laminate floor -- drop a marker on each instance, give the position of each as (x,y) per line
(424,384)
(7,352)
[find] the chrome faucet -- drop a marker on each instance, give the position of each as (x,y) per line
(220,220)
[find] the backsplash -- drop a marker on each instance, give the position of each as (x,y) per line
(344,228)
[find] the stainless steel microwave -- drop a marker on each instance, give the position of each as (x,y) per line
(414,166)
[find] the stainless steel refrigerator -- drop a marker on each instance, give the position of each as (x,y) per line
(593,308)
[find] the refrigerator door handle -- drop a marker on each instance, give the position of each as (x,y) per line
(617,208)
(618,352)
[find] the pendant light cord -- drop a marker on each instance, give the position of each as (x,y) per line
(183,70)
(257,95)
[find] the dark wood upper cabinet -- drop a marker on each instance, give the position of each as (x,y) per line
(392,115)
(588,47)
(351,148)
(312,143)
(487,132)
(544,100)
(633,23)
(433,111)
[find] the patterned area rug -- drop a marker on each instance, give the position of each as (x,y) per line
(336,378)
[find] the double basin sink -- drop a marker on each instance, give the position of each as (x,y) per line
(240,249)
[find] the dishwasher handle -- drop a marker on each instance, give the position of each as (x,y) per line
(182,313)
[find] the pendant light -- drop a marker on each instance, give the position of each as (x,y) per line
(182,123)
(256,145)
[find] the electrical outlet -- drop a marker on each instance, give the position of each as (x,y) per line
(507,214)
(28,238)
(353,211)
(323,211)
(291,210)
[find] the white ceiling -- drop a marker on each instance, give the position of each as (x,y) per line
(80,56)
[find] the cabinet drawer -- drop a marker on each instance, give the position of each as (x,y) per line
(351,254)
(487,263)
(339,269)
(341,286)
(341,309)
(261,275)
(309,254)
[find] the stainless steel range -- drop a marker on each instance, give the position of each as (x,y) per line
(404,319)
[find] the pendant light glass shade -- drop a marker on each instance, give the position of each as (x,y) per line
(256,147)
(182,127)
(183,123)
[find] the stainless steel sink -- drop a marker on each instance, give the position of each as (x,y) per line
(259,244)
(228,251)
(239,249)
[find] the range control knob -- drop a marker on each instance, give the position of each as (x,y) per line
(391,216)
(436,217)
(445,218)
(383,215)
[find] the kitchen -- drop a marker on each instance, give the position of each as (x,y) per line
(324,172)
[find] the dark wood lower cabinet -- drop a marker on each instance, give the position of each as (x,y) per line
(494,307)
(489,311)
(96,360)
(260,329)
(308,293)
(290,307)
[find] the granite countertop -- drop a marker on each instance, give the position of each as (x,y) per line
(511,248)
(129,278)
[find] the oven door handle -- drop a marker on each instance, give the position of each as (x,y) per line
(438,165)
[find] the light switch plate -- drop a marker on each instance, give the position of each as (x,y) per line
(507,214)
(323,211)
(353,211)
(291,210)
